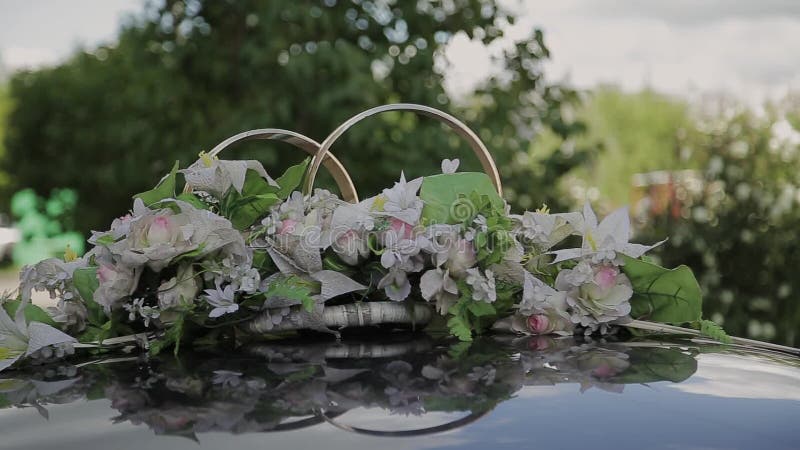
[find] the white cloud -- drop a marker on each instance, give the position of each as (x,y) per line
(745,48)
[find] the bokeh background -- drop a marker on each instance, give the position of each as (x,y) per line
(683,110)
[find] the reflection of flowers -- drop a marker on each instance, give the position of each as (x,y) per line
(240,394)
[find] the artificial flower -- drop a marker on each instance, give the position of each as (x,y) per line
(19,338)
(483,286)
(217,176)
(436,285)
(600,299)
(222,300)
(603,241)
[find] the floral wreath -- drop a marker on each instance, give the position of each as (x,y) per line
(236,254)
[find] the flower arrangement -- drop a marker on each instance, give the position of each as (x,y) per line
(221,250)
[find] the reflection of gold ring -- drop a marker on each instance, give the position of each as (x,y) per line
(310,146)
(466,420)
(462,130)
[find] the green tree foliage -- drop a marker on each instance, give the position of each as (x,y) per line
(635,132)
(739,231)
(187,74)
(5,106)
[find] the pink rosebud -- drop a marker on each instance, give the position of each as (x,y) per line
(538,323)
(606,277)
(401,229)
(160,230)
(287,226)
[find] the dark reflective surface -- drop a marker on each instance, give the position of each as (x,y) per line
(413,392)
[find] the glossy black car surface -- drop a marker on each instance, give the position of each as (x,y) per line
(413,392)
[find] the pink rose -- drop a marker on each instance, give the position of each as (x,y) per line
(538,324)
(606,277)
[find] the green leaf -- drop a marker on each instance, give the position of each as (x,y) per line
(663,295)
(246,211)
(33,313)
(292,288)
(291,179)
(164,189)
(460,328)
(192,200)
(255,184)
(648,365)
(171,337)
(442,195)
(106,240)
(481,309)
(714,331)
(85,281)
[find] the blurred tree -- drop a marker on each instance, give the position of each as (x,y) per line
(636,132)
(739,232)
(186,74)
(5,107)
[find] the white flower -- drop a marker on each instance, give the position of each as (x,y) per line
(180,290)
(483,286)
(402,201)
(19,338)
(157,236)
(115,283)
(603,298)
(71,313)
(395,283)
(216,176)
(437,285)
(450,165)
(147,313)
(222,299)
(351,247)
(538,297)
(602,242)
(546,230)
(402,247)
(450,250)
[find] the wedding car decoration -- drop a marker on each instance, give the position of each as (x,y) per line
(220,251)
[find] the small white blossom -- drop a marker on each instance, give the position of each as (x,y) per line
(402,201)
(483,285)
(222,299)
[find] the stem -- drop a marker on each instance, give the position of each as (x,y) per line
(671,329)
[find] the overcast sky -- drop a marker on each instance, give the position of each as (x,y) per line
(748,48)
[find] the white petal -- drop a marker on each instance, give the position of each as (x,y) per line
(617,225)
(566,254)
(637,250)
(430,284)
(335,284)
(43,335)
(589,217)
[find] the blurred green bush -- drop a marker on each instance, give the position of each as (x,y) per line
(187,74)
(736,221)
(46,225)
